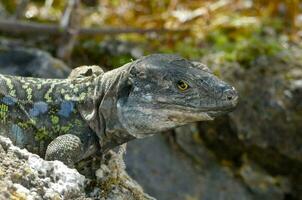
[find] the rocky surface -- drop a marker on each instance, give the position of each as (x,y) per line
(26,176)
(269,113)
(30,62)
(113,181)
(185,169)
(266,126)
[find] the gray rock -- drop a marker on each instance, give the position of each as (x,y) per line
(118,47)
(26,175)
(268,115)
(115,183)
(31,62)
(189,170)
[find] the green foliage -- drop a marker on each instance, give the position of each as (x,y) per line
(237,30)
(244,48)
(119,60)
(239,39)
(92,52)
(187,48)
(256,46)
(9,5)
(244,39)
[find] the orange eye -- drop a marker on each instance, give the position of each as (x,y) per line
(182,85)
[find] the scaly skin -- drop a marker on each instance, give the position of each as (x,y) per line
(35,111)
(92,111)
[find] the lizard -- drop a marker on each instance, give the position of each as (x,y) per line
(93,111)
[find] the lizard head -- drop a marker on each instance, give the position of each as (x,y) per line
(165,91)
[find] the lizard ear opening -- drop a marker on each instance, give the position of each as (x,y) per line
(125,90)
(125,86)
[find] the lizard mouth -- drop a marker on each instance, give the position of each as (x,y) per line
(180,113)
(214,109)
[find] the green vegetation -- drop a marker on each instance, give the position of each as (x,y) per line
(239,31)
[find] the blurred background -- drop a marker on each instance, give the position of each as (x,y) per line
(252,153)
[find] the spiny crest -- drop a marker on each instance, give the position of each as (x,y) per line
(173,59)
(201,66)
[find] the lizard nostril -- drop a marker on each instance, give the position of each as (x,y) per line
(229,97)
(229,94)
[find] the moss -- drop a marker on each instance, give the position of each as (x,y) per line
(107,185)
(186,47)
(255,47)
(117,61)
(244,48)
(111,182)
(10,6)
(90,52)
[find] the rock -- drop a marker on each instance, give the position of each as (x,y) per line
(119,47)
(30,62)
(268,115)
(115,183)
(167,173)
(266,126)
(25,175)
(189,170)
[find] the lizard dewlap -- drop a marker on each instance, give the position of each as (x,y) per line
(92,111)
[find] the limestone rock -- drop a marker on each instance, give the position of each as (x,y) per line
(25,175)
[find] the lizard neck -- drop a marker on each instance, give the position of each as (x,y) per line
(100,111)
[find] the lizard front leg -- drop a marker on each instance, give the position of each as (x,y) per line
(67,148)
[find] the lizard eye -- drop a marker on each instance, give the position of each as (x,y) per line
(182,85)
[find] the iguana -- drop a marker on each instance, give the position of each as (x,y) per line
(91,111)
